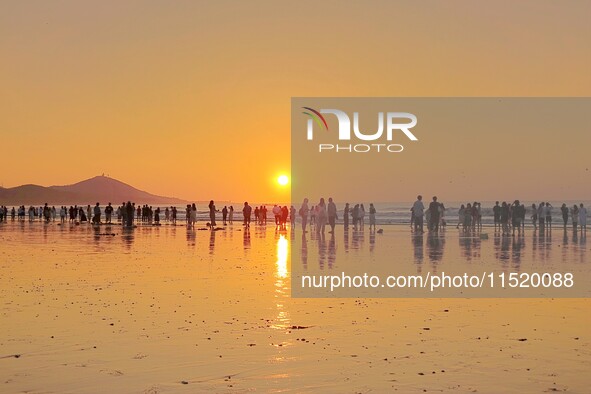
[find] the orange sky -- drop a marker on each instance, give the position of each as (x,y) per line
(192,99)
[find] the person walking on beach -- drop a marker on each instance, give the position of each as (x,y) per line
(304,214)
(355,216)
(505,218)
(541,216)
(123,211)
(173,214)
(256,214)
(461,212)
(224,214)
(246,212)
(284,216)
(583,218)
(82,215)
(372,217)
(332,215)
(108,213)
(434,217)
(574,213)
(497,216)
(231,214)
(97,214)
(361,216)
(346,217)
(157,216)
(62,214)
(277,214)
(548,213)
(263,215)
(442,222)
(321,216)
(418,210)
(564,211)
(192,216)
(517,217)
(129,213)
(474,215)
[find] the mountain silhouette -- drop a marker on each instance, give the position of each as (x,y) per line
(90,191)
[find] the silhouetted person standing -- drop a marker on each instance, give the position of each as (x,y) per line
(304,210)
(418,210)
(130,210)
(224,214)
(346,214)
(434,209)
(212,212)
(332,214)
(246,212)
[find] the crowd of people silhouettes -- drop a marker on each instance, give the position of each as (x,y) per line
(508,218)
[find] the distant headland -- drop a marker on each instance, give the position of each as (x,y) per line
(99,188)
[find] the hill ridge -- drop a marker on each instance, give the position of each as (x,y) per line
(100,188)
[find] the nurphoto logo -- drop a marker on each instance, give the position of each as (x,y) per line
(395,121)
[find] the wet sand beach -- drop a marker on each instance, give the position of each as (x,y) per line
(166,309)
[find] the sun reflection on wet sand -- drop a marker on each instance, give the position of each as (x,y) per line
(282,252)
(282,321)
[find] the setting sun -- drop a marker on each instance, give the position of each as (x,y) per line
(283,180)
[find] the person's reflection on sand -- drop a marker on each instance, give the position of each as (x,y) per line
(418,249)
(331,251)
(246,238)
(127,235)
(544,245)
(357,239)
(304,254)
(96,230)
(435,247)
(346,240)
(259,232)
(564,246)
(321,250)
(372,241)
(504,253)
(212,241)
(575,237)
(517,245)
(191,236)
(470,246)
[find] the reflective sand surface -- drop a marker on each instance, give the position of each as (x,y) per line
(169,310)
